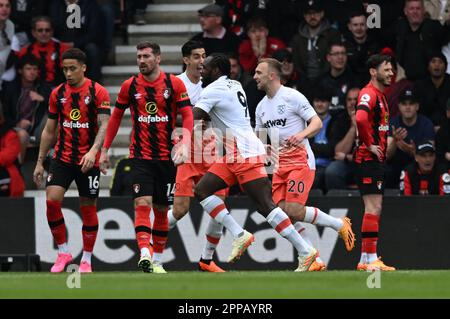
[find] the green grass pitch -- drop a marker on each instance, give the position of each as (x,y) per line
(233,284)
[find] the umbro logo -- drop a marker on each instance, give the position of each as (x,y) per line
(63,100)
(137,96)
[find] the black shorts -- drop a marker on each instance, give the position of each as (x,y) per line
(63,174)
(153,178)
(370,177)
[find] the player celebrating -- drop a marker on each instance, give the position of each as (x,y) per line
(188,174)
(224,101)
(154,99)
(77,106)
(372,121)
(287,112)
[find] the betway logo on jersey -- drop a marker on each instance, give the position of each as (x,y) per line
(153,119)
(73,124)
(275,123)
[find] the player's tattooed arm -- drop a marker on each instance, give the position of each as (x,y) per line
(103,124)
(47,140)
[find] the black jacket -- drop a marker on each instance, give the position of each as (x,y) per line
(10,97)
(429,37)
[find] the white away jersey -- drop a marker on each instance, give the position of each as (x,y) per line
(287,113)
(193,89)
(225,102)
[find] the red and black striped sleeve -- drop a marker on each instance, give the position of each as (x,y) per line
(181,95)
(52,105)
(366,102)
(102,100)
(407,188)
(123,99)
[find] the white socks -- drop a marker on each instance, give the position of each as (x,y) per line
(172,219)
(315,216)
(281,223)
(215,207)
(63,248)
(86,257)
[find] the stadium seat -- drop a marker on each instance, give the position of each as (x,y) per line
(25,262)
(343,192)
(315,192)
(392,192)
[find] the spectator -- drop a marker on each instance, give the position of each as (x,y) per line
(406,130)
(238,12)
(325,141)
(258,45)
(25,103)
(22,13)
(8,42)
(438,10)
(214,36)
(284,18)
(340,173)
(236,72)
(290,77)
(339,78)
(337,12)
(47,50)
(425,176)
(415,38)
(136,10)
(434,90)
(121,184)
(310,44)
(86,38)
(443,140)
(360,45)
(399,84)
(11,181)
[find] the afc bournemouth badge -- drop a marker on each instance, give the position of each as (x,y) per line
(49,177)
(379,184)
(166,93)
(136,188)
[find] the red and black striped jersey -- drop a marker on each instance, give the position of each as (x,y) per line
(414,182)
(50,57)
(153,107)
(76,111)
(372,121)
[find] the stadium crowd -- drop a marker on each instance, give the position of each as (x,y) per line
(323,46)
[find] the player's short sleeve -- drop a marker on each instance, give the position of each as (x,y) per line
(52,106)
(258,121)
(181,94)
(303,107)
(366,100)
(208,99)
(102,100)
(123,98)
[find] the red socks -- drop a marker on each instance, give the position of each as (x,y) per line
(160,230)
(90,226)
(56,221)
(142,226)
(369,233)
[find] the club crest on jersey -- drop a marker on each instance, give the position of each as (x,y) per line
(136,188)
(379,184)
(87,99)
(53,56)
(49,177)
(166,93)
(281,109)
